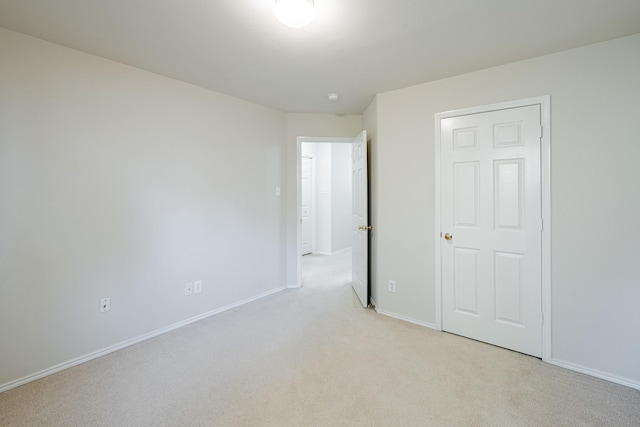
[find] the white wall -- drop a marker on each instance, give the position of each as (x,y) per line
(323,198)
(312,125)
(115,182)
(341,203)
(595,102)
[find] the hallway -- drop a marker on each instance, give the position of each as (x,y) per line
(327,270)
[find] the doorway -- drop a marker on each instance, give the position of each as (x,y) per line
(326,194)
(493,223)
(337,210)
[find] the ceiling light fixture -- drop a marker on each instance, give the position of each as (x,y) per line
(333,97)
(295,13)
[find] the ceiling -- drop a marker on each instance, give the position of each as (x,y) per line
(356,48)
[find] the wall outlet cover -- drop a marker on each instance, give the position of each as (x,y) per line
(188,288)
(392,285)
(105,305)
(197,286)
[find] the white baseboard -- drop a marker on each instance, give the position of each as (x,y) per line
(294,286)
(596,373)
(341,251)
(557,362)
(407,319)
(94,355)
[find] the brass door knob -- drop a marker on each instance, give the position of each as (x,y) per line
(448,236)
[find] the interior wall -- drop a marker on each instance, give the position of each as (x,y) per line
(341,203)
(595,103)
(311,125)
(115,182)
(323,198)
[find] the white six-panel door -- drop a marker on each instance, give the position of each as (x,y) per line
(360,221)
(491,227)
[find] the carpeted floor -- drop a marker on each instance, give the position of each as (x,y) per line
(315,357)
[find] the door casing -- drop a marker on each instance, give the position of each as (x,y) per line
(545,174)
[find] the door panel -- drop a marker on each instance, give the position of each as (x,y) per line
(467,189)
(491,204)
(509,188)
(360,222)
(466,281)
(508,287)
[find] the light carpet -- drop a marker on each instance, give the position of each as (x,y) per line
(315,357)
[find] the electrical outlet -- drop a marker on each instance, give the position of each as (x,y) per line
(188,288)
(105,305)
(197,286)
(392,285)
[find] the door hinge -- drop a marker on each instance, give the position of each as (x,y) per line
(542,313)
(540,132)
(541,224)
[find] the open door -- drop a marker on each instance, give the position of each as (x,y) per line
(360,223)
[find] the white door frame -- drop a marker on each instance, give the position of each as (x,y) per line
(545,175)
(300,140)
